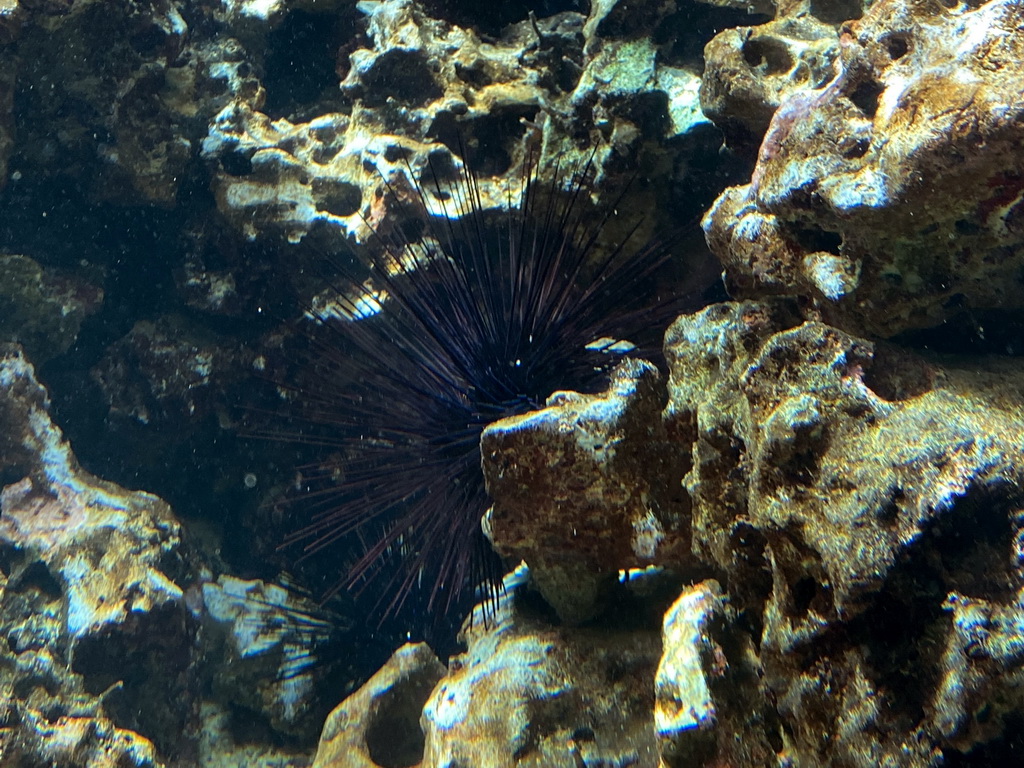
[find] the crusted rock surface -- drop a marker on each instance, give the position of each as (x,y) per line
(95,627)
(524,693)
(862,500)
(43,309)
(379,725)
(584,489)
(891,198)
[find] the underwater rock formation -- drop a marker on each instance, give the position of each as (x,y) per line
(423,89)
(43,309)
(583,489)
(93,621)
(378,725)
(862,500)
(709,708)
(264,639)
(750,71)
(524,693)
(848,510)
(891,198)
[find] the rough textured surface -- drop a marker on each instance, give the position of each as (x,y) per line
(710,706)
(857,502)
(584,489)
(567,696)
(423,89)
(890,198)
(43,309)
(95,627)
(266,640)
(751,70)
(378,725)
(862,499)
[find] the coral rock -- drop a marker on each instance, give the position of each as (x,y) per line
(378,725)
(863,501)
(88,605)
(885,198)
(43,309)
(709,703)
(526,694)
(585,488)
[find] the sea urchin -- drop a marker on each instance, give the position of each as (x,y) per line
(483,315)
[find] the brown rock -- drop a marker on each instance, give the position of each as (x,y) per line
(587,487)
(379,725)
(889,198)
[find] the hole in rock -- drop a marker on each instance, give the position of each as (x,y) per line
(404,76)
(898,374)
(1004,750)
(865,97)
(301,60)
(487,140)
(337,197)
(37,578)
(767,54)
(394,738)
(236,163)
(812,238)
(896,45)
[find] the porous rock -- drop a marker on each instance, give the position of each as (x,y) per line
(265,638)
(528,694)
(863,501)
(418,90)
(96,631)
(888,198)
(524,693)
(379,725)
(584,489)
(709,706)
(43,309)
(750,71)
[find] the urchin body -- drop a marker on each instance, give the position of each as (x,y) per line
(482,317)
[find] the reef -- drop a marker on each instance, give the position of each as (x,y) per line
(888,198)
(792,539)
(91,613)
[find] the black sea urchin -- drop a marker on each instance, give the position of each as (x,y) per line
(482,316)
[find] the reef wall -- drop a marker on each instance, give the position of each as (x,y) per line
(796,543)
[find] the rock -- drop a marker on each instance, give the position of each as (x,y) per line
(96,629)
(43,309)
(858,495)
(169,370)
(525,693)
(884,198)
(379,725)
(750,71)
(710,707)
(270,644)
(585,488)
(418,91)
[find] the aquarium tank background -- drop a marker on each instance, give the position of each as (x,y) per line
(438,383)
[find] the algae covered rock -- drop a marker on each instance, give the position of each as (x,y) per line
(584,489)
(889,197)
(379,725)
(861,498)
(43,309)
(96,629)
(523,693)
